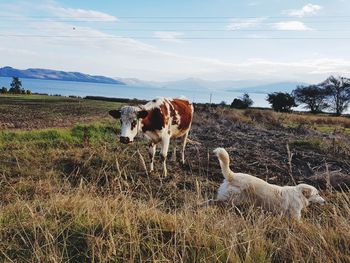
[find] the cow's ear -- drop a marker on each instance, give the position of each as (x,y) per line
(142,114)
(115,113)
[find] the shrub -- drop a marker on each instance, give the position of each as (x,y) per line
(242,103)
(281,101)
(3,90)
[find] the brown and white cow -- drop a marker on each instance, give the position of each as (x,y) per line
(160,120)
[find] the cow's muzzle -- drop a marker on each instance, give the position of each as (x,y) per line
(125,140)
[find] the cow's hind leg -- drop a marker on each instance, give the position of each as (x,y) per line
(152,152)
(184,141)
(164,152)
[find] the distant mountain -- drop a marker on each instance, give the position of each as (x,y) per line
(272,87)
(48,74)
(249,86)
(200,84)
(138,83)
(191,83)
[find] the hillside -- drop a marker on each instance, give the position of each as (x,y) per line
(72,193)
(48,74)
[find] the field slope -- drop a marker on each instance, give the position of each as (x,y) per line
(70,192)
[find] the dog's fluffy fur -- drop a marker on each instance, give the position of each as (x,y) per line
(243,188)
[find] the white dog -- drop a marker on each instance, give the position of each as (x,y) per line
(244,188)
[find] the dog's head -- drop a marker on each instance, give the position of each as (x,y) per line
(311,194)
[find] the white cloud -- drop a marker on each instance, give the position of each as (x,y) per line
(16,51)
(306,10)
(92,51)
(170,36)
(131,58)
(81,14)
(244,23)
(291,25)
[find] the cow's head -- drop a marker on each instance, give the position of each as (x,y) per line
(129,119)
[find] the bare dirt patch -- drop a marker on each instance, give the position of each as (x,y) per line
(38,112)
(260,148)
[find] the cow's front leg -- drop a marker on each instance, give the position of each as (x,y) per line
(174,143)
(152,153)
(164,153)
(184,141)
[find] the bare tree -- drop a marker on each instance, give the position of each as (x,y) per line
(338,92)
(313,96)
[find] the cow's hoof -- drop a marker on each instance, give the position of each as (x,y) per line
(165,179)
(152,173)
(185,165)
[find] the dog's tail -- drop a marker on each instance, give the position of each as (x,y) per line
(224,160)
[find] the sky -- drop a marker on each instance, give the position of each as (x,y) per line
(158,40)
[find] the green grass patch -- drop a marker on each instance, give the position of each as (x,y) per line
(53,137)
(330,129)
(291,125)
(317,127)
(315,144)
(320,145)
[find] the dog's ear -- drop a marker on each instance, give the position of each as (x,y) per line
(115,113)
(142,114)
(306,192)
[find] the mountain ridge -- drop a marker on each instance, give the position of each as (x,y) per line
(49,74)
(242,86)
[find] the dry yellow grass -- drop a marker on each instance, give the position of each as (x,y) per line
(77,195)
(278,118)
(73,203)
(83,226)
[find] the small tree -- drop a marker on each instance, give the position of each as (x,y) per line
(247,100)
(222,103)
(281,101)
(28,92)
(338,92)
(3,90)
(16,86)
(242,103)
(313,96)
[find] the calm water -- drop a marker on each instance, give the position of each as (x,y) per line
(123,91)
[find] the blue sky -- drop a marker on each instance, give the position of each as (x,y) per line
(270,40)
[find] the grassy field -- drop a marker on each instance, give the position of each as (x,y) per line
(70,192)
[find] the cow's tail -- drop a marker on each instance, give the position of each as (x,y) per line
(224,160)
